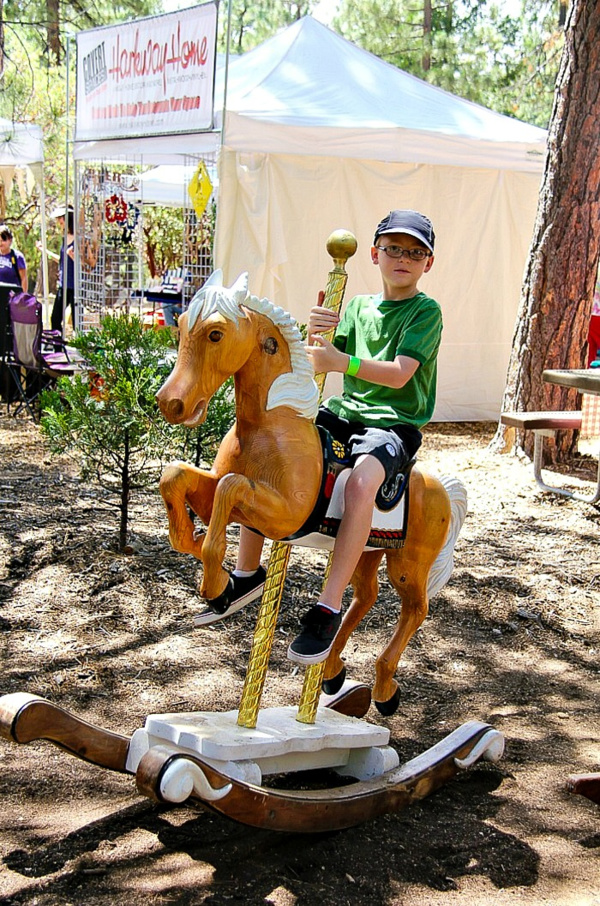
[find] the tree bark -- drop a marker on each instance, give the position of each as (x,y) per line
(556,297)
(53,30)
(427,22)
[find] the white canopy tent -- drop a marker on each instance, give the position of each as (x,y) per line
(21,145)
(167,184)
(321,135)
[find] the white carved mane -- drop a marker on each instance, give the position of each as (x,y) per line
(297,388)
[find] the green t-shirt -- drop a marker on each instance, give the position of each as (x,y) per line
(374,328)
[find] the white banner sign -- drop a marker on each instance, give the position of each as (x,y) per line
(150,77)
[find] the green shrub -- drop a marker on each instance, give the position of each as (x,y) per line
(108,415)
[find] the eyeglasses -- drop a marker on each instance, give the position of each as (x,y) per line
(395,251)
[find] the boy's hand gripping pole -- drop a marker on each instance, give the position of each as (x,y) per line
(341,245)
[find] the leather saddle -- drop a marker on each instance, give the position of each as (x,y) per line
(390,514)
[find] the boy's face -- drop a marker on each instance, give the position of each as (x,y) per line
(400,275)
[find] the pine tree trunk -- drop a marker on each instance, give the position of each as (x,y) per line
(427,24)
(556,297)
(53,30)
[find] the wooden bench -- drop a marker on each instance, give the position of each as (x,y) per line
(545,424)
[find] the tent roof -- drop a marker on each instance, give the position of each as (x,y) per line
(308,75)
(20,144)
(323,88)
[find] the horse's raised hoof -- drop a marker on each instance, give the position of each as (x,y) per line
(333,685)
(354,700)
(391,705)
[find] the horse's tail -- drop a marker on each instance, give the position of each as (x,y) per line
(442,568)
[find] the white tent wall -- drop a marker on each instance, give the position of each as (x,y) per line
(321,135)
(276,212)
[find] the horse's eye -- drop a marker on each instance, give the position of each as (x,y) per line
(215,335)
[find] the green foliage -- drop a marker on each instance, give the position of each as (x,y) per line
(163,231)
(253,23)
(44,25)
(471,48)
(108,415)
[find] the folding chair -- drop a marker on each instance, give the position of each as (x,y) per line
(39,357)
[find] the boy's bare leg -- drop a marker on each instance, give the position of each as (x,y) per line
(249,550)
(322,621)
(245,585)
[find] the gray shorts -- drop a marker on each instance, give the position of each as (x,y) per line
(392,447)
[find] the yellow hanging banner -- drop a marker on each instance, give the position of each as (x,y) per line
(200,189)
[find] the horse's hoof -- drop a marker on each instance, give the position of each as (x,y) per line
(354,699)
(222,603)
(391,705)
(333,685)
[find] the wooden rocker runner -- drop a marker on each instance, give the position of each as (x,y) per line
(270,474)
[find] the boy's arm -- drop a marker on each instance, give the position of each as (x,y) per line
(325,358)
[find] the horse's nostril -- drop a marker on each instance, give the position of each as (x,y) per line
(172,409)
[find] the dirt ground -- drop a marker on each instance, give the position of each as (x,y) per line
(513,639)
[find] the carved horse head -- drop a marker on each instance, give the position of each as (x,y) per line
(225,331)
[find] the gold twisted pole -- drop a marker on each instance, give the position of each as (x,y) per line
(341,245)
(264,632)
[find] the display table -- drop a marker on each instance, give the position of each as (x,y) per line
(587,382)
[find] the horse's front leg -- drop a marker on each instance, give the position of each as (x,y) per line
(233,491)
(254,504)
(181,484)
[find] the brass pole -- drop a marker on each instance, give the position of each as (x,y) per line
(341,245)
(264,632)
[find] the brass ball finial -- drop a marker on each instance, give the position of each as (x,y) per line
(341,245)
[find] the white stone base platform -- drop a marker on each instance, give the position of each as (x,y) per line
(279,744)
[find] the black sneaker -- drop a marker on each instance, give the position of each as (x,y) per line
(314,643)
(240,591)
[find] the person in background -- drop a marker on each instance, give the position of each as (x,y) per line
(13,269)
(65,287)
(13,277)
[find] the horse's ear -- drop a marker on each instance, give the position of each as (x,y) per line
(215,279)
(240,288)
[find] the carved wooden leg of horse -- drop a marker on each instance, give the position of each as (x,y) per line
(365,585)
(239,499)
(408,571)
(181,484)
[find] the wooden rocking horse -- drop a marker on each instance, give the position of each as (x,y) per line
(269,475)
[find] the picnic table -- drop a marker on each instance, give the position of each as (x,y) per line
(586,380)
(545,424)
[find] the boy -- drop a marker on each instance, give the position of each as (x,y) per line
(386,346)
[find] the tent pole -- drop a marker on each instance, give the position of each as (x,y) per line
(226,76)
(65,264)
(45,281)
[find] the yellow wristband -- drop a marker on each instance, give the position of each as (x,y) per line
(353,366)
